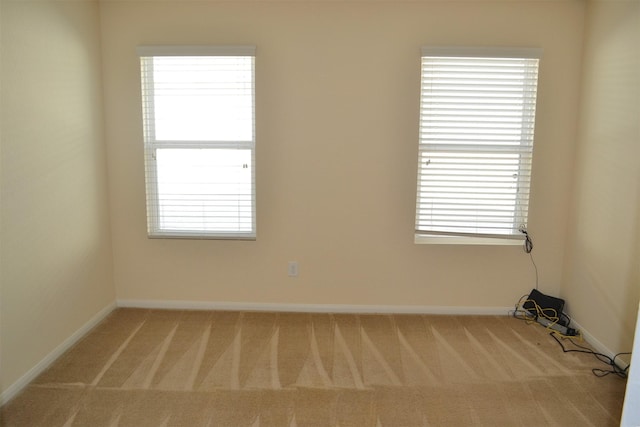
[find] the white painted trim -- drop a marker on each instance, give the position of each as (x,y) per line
(312,308)
(597,345)
(24,380)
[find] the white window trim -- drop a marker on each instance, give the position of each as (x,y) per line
(431,239)
(153,229)
(426,237)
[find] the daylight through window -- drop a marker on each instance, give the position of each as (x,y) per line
(198,112)
(477,116)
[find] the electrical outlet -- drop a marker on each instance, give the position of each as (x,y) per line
(293,269)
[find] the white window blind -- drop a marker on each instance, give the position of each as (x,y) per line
(199,140)
(477,115)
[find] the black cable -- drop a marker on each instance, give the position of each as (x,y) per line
(528,243)
(522,314)
(528,248)
(615,368)
(535,268)
(565,320)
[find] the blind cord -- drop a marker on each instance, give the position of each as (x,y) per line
(528,248)
(528,243)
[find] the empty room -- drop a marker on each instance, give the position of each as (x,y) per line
(319,212)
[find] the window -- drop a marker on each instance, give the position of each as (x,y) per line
(199,141)
(477,114)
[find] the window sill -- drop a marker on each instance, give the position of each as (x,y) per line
(425,239)
(200,236)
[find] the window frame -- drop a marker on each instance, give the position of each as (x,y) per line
(424,235)
(152,144)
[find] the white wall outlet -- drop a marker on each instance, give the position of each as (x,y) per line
(293,269)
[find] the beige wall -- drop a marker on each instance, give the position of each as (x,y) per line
(55,247)
(337,104)
(337,107)
(337,94)
(603,268)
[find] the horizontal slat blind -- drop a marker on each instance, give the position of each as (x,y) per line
(477,119)
(198,114)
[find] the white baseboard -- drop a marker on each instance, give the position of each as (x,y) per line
(312,308)
(597,345)
(23,381)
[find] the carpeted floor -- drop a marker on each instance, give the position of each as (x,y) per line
(202,368)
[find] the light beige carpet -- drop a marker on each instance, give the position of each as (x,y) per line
(202,368)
